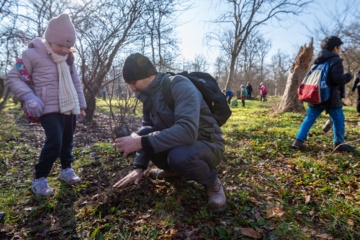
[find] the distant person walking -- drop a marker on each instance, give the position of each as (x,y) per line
(356,85)
(228,95)
(249,90)
(263,92)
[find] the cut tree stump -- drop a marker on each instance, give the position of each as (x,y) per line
(301,65)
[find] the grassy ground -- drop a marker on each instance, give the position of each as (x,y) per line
(273,191)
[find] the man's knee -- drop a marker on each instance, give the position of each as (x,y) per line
(178,159)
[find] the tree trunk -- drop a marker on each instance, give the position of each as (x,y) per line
(91,106)
(230,82)
(290,101)
(4,94)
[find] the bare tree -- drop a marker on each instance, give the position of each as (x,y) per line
(352,31)
(351,52)
(122,105)
(280,65)
(102,32)
(338,17)
(252,58)
(4,93)
(5,8)
(160,19)
(264,48)
(221,71)
(199,64)
(245,17)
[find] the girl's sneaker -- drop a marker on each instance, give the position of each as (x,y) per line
(68,175)
(41,187)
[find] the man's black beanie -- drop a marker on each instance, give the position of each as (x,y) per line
(330,42)
(137,67)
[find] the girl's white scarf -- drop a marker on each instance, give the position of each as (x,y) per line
(68,98)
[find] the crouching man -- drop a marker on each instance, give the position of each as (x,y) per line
(183,141)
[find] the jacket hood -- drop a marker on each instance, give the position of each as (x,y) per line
(39,44)
(324,55)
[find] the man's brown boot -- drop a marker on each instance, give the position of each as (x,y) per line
(216,194)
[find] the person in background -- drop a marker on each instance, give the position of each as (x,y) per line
(228,95)
(263,92)
(243,94)
(249,90)
(57,98)
(356,85)
(184,141)
(330,51)
(103,92)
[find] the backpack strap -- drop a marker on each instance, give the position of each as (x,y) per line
(166,89)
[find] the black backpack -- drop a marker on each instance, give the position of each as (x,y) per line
(210,91)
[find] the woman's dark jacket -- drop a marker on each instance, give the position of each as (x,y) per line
(249,88)
(336,78)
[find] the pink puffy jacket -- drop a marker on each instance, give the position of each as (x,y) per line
(43,71)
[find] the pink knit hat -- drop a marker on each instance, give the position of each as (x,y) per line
(61,31)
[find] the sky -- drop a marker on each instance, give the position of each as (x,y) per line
(287,36)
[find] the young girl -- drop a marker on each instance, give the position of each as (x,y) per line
(56,99)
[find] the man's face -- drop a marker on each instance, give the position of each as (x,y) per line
(140,85)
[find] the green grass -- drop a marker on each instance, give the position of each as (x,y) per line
(273,191)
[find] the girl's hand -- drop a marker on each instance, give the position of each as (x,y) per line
(82,114)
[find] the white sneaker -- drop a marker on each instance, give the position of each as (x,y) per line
(41,187)
(68,175)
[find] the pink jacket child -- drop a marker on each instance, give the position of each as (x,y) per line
(263,92)
(57,98)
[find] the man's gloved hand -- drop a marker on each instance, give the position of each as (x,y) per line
(33,104)
(348,77)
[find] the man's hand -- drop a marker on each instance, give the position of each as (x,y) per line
(128,144)
(134,176)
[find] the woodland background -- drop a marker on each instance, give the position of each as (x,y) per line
(108,31)
(273,191)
